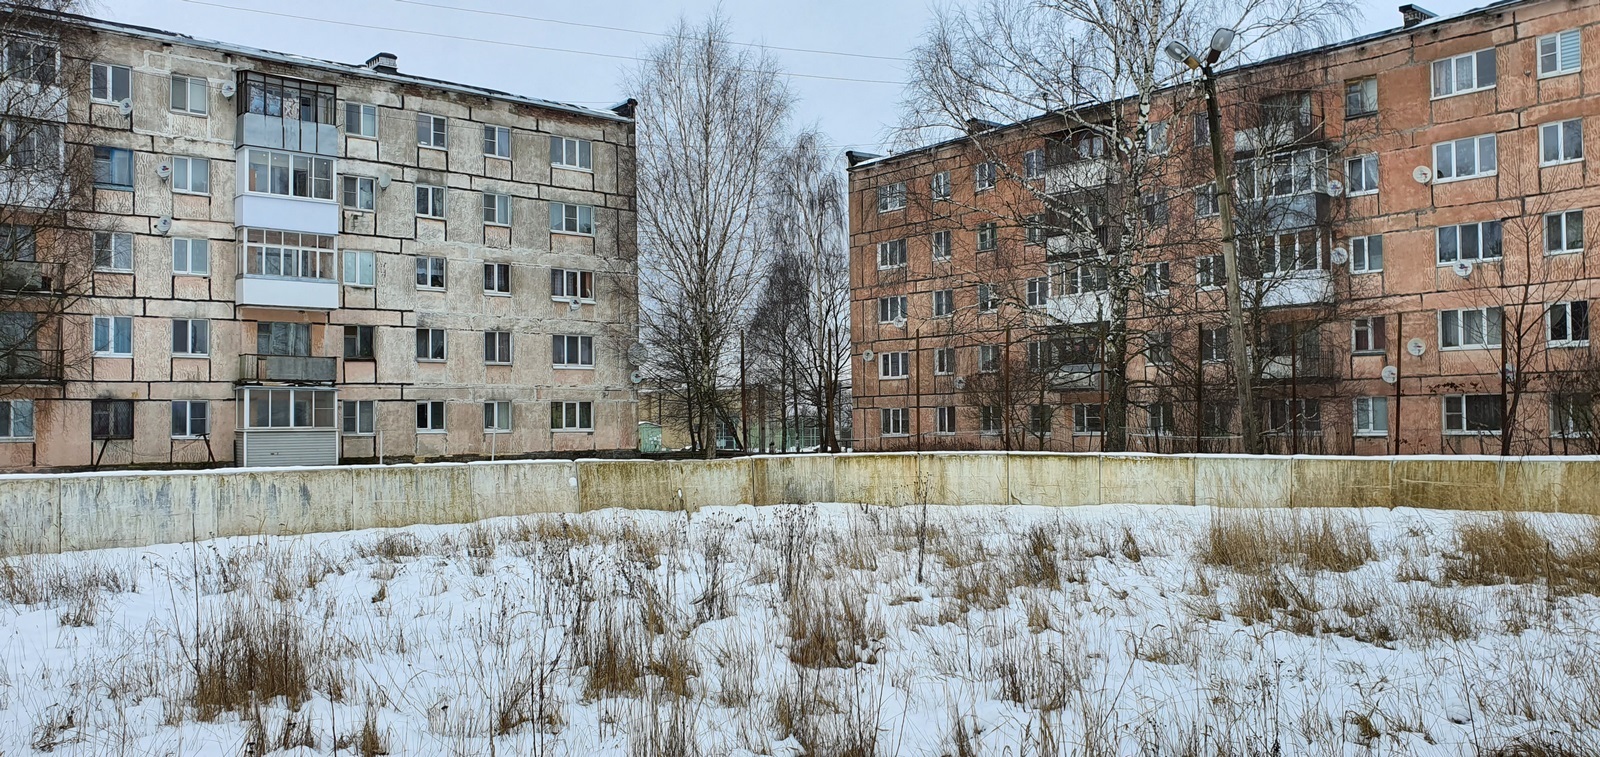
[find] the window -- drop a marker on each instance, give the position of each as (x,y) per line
(1038,291)
(983,177)
(1206,202)
(16,419)
(1283,174)
(113,251)
(571,416)
(359,416)
(1561,142)
(568,284)
(288,408)
(1372,416)
(1471,328)
(1571,415)
(1568,324)
(430,201)
(1209,273)
(497,141)
(894,365)
(191,256)
(944,361)
(568,351)
(189,94)
(109,83)
(989,358)
(430,345)
(1200,126)
(567,218)
(1366,254)
(571,153)
(891,309)
(1158,278)
(113,168)
(113,336)
(1086,277)
(891,254)
(358,342)
(31,60)
(1033,229)
(944,420)
(1361,175)
(941,245)
(1041,355)
(1463,73)
(1039,418)
(1159,419)
(111,419)
(1158,348)
(290,174)
(191,337)
(892,421)
(1559,53)
(988,236)
(892,197)
(1154,206)
(1361,97)
(944,302)
(191,175)
(1472,414)
(1467,158)
(497,417)
(190,419)
(430,417)
(496,209)
(17,243)
(1469,241)
(432,131)
(1563,232)
(1033,164)
(497,347)
(287,100)
(1155,138)
(28,143)
(497,278)
(430,273)
(1087,419)
(361,120)
(360,268)
(989,421)
(1214,344)
(279,338)
(358,192)
(939,186)
(988,299)
(1294,416)
(1367,335)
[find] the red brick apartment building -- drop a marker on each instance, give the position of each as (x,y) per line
(1420,283)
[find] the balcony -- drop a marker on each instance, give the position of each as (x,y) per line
(1079,175)
(1075,377)
(289,294)
(1072,245)
(287,114)
(30,366)
(1085,307)
(1293,288)
(287,369)
(30,276)
(1316,366)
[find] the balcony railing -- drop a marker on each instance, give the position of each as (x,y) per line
(1079,175)
(1086,376)
(31,276)
(23,366)
(288,369)
(1317,366)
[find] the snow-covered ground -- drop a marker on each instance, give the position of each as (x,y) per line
(806,630)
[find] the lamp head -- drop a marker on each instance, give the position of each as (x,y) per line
(1220,40)
(1177,52)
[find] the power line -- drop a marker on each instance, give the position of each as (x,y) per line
(479,40)
(503,14)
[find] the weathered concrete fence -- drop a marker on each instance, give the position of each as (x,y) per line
(45,513)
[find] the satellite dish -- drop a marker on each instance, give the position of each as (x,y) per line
(960,382)
(1422,174)
(636,377)
(1416,347)
(164,171)
(574,304)
(1510,372)
(638,353)
(1340,256)
(866,357)
(1390,374)
(1462,268)
(1335,188)
(164,224)
(383,181)
(899,323)
(228,88)
(125,106)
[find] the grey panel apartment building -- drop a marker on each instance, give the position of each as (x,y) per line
(300,261)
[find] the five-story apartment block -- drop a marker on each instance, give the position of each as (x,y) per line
(300,262)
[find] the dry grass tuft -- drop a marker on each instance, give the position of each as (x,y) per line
(831,629)
(391,547)
(1508,549)
(47,580)
(1438,617)
(1260,542)
(248,655)
(611,653)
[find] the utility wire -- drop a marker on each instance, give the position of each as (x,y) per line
(479,40)
(503,14)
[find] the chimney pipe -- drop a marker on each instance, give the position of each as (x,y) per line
(384,63)
(1412,15)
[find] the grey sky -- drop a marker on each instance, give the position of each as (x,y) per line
(853,114)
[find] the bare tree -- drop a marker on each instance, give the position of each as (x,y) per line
(710,118)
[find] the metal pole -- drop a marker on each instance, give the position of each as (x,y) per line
(1199,385)
(1243,392)
(744,400)
(1399,349)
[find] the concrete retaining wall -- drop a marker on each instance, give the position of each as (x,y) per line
(45,513)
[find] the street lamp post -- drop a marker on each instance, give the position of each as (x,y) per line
(1237,352)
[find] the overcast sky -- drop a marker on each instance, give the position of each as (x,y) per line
(854,114)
